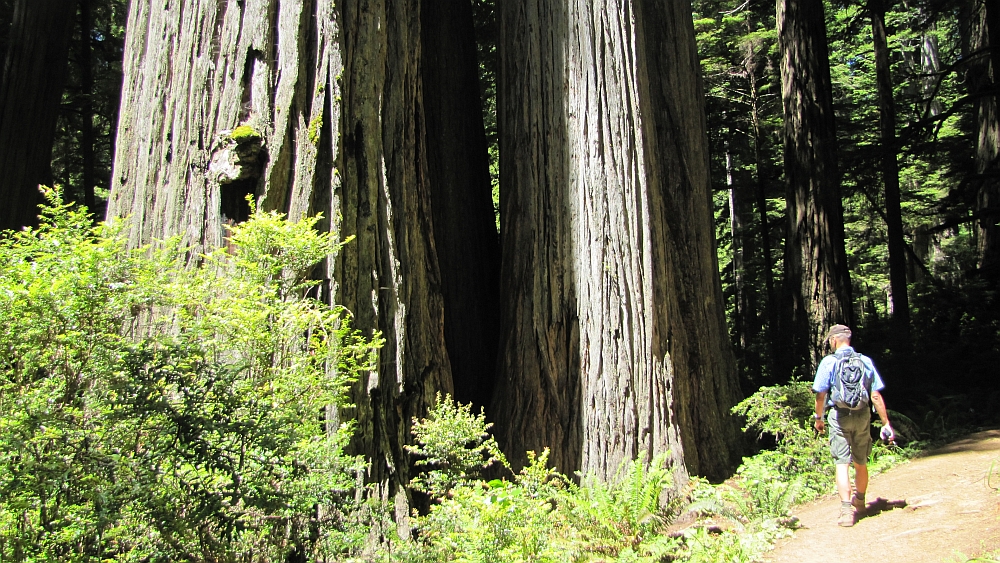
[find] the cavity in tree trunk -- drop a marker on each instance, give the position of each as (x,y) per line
(614,342)
(817,282)
(31,85)
(890,179)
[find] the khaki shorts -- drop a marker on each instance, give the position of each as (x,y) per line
(850,435)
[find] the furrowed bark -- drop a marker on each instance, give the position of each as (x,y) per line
(614,345)
(307,106)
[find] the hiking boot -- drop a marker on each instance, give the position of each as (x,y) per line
(846,516)
(859,504)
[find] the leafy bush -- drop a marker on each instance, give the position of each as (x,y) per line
(534,515)
(800,466)
(455,443)
(154,411)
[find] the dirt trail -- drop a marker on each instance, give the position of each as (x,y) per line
(928,510)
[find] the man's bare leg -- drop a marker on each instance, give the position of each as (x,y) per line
(844,481)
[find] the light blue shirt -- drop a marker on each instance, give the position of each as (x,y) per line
(824,375)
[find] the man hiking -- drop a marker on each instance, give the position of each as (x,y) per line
(849,384)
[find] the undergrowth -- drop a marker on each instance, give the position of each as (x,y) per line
(540,515)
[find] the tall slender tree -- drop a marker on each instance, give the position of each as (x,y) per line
(31,84)
(817,281)
(890,178)
(614,344)
(87,136)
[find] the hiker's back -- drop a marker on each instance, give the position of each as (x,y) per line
(851,383)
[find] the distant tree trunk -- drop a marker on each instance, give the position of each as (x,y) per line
(771,301)
(736,230)
(985,44)
(459,175)
(330,97)
(890,178)
(930,67)
(33,75)
(817,281)
(614,342)
(87,139)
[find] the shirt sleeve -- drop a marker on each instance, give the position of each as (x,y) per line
(821,384)
(877,384)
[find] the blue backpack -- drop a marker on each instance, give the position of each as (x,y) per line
(852,381)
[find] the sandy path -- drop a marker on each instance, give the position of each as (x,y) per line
(928,510)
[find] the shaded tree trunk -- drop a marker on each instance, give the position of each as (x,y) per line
(330,98)
(817,282)
(760,184)
(459,176)
(31,86)
(985,36)
(614,344)
(87,138)
(890,179)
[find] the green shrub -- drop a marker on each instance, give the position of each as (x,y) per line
(534,515)
(454,444)
(800,466)
(154,411)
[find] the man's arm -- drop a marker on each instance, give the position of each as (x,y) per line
(818,423)
(879,404)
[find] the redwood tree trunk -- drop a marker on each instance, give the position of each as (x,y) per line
(817,282)
(614,344)
(31,86)
(890,179)
(334,90)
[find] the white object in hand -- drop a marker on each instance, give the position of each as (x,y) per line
(887,434)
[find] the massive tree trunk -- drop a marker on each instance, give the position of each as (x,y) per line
(614,344)
(890,179)
(817,282)
(31,85)
(308,106)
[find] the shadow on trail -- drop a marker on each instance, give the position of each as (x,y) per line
(880,505)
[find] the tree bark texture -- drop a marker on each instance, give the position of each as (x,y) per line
(31,86)
(334,90)
(614,345)
(817,281)
(890,180)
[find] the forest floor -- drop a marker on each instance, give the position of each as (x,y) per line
(939,507)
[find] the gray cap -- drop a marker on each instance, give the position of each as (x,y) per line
(839,330)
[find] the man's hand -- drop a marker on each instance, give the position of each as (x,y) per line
(818,423)
(888,434)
